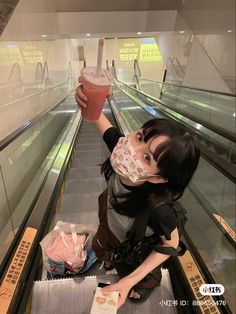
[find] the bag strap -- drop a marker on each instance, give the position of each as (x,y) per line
(170,250)
(138,230)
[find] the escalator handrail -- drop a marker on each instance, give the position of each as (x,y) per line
(19,131)
(137,69)
(229,135)
(39,220)
(189,87)
(225,167)
(113,66)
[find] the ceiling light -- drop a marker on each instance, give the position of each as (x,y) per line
(181,32)
(88,34)
(43,36)
(229,30)
(139,33)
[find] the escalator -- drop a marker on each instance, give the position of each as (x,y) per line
(78,204)
(210,199)
(214,108)
(222,149)
(76,201)
(219,142)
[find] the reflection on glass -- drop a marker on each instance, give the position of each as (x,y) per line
(207,106)
(25,163)
(220,145)
(6,229)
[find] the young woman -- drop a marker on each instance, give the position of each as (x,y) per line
(148,169)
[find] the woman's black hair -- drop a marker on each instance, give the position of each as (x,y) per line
(177,159)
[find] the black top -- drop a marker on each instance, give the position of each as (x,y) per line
(163,219)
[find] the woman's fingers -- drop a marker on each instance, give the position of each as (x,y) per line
(80,98)
(109,288)
(80,94)
(121,288)
(80,102)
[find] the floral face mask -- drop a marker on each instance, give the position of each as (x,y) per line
(125,162)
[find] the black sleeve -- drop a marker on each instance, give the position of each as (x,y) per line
(163,220)
(111,137)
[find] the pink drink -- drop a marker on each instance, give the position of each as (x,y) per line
(96,87)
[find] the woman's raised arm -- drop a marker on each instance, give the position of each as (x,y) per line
(102,124)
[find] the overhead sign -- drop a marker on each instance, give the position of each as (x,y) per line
(142,49)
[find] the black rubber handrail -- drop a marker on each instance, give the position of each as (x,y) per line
(187,87)
(224,166)
(39,218)
(15,134)
(229,135)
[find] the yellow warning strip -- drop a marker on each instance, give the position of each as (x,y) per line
(206,304)
(14,271)
(226,227)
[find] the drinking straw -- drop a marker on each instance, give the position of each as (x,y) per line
(100,52)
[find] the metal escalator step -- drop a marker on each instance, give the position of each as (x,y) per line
(81,217)
(88,130)
(79,201)
(67,296)
(75,296)
(85,185)
(87,147)
(83,173)
(88,125)
(89,154)
(90,140)
(103,154)
(84,135)
(87,162)
(92,151)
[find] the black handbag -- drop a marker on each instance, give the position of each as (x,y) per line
(137,247)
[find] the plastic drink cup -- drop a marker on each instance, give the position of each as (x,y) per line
(96,86)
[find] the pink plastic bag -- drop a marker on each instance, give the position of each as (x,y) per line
(65,247)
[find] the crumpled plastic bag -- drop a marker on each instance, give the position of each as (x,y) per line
(65,248)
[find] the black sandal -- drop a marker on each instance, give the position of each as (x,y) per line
(143,292)
(108,266)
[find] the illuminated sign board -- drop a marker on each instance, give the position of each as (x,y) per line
(142,49)
(11,53)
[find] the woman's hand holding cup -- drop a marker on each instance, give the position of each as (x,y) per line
(80,98)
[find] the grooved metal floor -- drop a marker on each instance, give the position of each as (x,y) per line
(73,296)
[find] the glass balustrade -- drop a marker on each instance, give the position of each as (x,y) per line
(220,145)
(211,107)
(24,165)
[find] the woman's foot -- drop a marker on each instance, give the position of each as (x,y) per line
(139,295)
(134,295)
(108,266)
